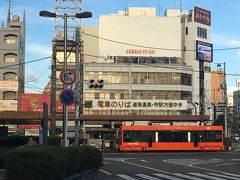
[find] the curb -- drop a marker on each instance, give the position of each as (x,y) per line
(90,174)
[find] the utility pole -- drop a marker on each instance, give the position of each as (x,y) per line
(82,123)
(225,101)
(77,84)
(53,93)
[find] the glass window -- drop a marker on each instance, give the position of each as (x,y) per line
(97,96)
(10,39)
(201,32)
(9,95)
(10,76)
(10,57)
(172,136)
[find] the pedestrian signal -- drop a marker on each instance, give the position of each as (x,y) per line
(96,84)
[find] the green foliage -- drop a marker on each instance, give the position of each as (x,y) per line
(50,162)
(54,140)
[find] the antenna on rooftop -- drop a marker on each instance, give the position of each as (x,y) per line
(9,12)
(126,8)
(180,5)
(71,7)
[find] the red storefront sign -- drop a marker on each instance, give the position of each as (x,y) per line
(33,102)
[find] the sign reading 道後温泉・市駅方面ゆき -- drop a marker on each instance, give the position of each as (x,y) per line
(139,104)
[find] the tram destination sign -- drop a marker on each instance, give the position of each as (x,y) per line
(136,104)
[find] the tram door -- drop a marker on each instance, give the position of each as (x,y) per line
(150,140)
(196,139)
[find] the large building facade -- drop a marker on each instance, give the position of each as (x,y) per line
(150,65)
(12,60)
(148,57)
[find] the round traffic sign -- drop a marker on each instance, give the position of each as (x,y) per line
(68,76)
(67,97)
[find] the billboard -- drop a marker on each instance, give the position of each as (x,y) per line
(204,51)
(202,16)
(33,102)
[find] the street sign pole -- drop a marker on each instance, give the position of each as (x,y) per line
(65,109)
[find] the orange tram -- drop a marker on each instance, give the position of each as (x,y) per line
(171,138)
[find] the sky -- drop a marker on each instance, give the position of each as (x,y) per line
(225,31)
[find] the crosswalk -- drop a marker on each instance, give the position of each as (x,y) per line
(181,176)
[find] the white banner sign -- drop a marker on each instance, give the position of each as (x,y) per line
(142,104)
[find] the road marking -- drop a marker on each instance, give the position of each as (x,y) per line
(147,177)
(125,177)
(192,166)
(168,177)
(105,172)
(230,174)
(224,176)
(206,176)
(186,176)
(142,160)
(104,162)
(146,167)
(226,164)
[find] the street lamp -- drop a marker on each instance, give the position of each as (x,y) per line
(65,16)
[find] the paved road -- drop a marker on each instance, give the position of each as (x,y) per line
(171,166)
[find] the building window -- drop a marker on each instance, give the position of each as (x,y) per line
(186,31)
(9,95)
(10,39)
(10,57)
(10,76)
(97,95)
(201,32)
(112,96)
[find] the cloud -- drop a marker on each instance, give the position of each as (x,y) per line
(233,42)
(38,49)
(30,75)
(231,89)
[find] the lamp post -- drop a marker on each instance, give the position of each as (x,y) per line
(65,16)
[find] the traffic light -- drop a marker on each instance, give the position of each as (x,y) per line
(96,84)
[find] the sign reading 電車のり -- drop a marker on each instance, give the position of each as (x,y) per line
(142,104)
(202,16)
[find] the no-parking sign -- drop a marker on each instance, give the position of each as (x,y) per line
(68,76)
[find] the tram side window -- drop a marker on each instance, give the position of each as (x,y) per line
(211,136)
(207,136)
(131,136)
(169,136)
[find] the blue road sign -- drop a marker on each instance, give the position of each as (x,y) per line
(67,97)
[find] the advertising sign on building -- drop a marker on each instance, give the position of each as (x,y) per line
(33,102)
(204,51)
(135,104)
(8,105)
(202,16)
(8,86)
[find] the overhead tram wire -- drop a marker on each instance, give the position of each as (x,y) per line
(36,60)
(149,47)
(156,65)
